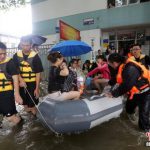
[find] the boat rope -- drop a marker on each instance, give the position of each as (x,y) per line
(38,110)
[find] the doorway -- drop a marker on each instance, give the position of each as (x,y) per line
(124,46)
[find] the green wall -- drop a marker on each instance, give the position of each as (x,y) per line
(137,14)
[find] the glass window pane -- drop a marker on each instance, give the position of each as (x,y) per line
(142,42)
(111,37)
(119,3)
(110,3)
(126,35)
(140,35)
(133,1)
(144,1)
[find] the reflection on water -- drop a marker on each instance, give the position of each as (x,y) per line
(31,135)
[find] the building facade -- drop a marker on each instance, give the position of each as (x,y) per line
(118,23)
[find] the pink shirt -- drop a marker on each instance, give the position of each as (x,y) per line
(103,69)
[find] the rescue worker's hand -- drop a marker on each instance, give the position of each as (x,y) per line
(108,95)
(18,99)
(36,93)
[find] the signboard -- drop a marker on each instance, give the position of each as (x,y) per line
(57,29)
(68,32)
(88,21)
(105,43)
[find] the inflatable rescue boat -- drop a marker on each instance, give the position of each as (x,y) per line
(71,116)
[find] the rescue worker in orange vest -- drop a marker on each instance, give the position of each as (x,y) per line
(139,57)
(133,80)
(142,59)
(9,88)
(30,67)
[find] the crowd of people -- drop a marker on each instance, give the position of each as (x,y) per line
(131,74)
(20,79)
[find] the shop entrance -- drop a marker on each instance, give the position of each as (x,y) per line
(124,46)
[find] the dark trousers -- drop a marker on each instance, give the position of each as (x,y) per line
(143,102)
(27,100)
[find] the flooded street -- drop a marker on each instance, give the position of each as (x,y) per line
(88,55)
(30,134)
(117,134)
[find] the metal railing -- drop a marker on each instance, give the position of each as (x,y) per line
(43,52)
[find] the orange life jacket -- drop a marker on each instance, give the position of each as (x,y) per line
(145,74)
(130,55)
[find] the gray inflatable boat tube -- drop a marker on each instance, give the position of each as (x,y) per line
(72,116)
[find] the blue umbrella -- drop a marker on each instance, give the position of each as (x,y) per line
(71,48)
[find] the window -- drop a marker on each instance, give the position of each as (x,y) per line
(112,36)
(110,3)
(142,41)
(140,35)
(144,1)
(128,35)
(133,1)
(119,3)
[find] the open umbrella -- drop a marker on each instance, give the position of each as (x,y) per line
(36,39)
(71,48)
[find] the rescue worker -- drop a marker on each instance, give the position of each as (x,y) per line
(133,79)
(145,60)
(30,67)
(9,87)
(139,57)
